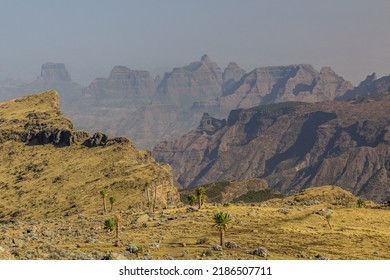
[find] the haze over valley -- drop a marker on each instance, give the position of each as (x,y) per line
(223,130)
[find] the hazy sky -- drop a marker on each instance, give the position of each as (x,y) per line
(92,36)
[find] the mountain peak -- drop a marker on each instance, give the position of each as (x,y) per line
(54,72)
(205,58)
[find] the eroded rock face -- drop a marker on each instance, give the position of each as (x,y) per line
(54,72)
(231,75)
(370,86)
(122,83)
(284,83)
(197,81)
(209,124)
(292,146)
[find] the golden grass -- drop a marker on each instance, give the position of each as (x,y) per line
(357,233)
(43,181)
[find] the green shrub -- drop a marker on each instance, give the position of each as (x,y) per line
(192,199)
(361,203)
(109,224)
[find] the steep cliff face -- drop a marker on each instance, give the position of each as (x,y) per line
(52,76)
(370,86)
(231,75)
(200,80)
(122,84)
(149,110)
(52,169)
(292,146)
(54,72)
(284,83)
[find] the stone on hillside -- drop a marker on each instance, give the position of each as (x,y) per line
(133,249)
(261,252)
(321,257)
(324,212)
(98,139)
(142,219)
(231,245)
(203,240)
(191,209)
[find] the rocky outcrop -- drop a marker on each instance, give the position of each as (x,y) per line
(199,80)
(231,75)
(57,137)
(370,86)
(292,146)
(98,139)
(54,76)
(284,83)
(122,84)
(210,125)
(54,72)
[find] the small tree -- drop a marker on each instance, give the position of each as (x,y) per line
(109,224)
(361,203)
(112,201)
(221,221)
(191,199)
(328,218)
(118,219)
(103,194)
(201,194)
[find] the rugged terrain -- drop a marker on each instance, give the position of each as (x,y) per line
(292,145)
(148,109)
(51,207)
(53,76)
(243,191)
(371,87)
(49,169)
(289,228)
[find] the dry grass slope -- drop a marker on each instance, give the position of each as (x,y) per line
(289,228)
(43,181)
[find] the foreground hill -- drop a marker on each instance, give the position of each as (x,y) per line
(49,169)
(291,145)
(290,228)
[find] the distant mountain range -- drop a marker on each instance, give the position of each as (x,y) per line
(148,110)
(249,131)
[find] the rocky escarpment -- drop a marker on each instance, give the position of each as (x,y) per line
(284,83)
(200,80)
(292,146)
(370,86)
(54,72)
(53,169)
(53,76)
(132,103)
(123,84)
(231,75)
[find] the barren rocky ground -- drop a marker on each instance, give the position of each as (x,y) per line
(288,228)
